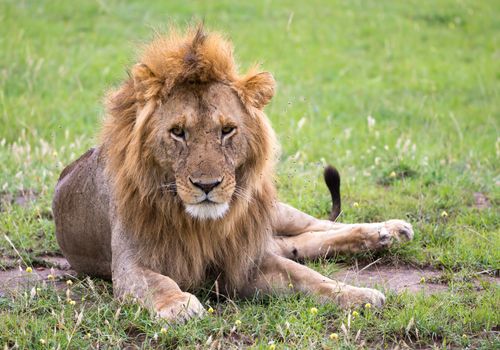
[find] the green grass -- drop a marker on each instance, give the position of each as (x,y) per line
(425,71)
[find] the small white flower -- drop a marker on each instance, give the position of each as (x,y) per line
(301,123)
(371,122)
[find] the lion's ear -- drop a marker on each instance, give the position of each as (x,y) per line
(257,89)
(146,84)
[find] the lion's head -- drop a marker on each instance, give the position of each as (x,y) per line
(190,154)
(185,135)
(203,135)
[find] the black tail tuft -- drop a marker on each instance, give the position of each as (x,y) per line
(332,180)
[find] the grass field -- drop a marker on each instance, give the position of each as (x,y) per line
(402,96)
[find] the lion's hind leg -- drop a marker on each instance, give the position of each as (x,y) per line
(346,239)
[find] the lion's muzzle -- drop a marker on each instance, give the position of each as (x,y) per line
(209,201)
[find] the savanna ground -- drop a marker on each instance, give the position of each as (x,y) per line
(401,96)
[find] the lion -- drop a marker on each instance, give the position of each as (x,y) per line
(180,191)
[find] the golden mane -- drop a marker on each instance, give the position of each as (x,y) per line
(186,249)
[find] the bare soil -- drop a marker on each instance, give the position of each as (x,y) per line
(481,201)
(21,198)
(397,279)
(394,278)
(14,280)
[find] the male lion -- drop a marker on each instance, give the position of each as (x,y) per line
(180,190)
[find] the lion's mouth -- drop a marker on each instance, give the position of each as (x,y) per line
(207,210)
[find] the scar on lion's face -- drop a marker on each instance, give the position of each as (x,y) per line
(202,131)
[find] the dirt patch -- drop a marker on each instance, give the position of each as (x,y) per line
(21,198)
(405,278)
(481,201)
(57,262)
(397,279)
(13,280)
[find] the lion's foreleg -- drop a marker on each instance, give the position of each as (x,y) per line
(278,275)
(347,239)
(158,292)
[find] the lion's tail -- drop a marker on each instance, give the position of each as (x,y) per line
(332,180)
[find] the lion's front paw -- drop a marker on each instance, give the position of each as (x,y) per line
(354,296)
(399,229)
(179,307)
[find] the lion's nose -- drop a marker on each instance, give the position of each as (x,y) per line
(205,186)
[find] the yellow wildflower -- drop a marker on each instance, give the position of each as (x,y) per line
(392,174)
(51,277)
(355,314)
(368,306)
(29,270)
(355,204)
(237,322)
(334,336)
(313,310)
(210,310)
(444,214)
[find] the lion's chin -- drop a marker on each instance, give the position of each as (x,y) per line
(204,211)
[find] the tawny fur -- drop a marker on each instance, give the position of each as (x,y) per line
(121,210)
(173,243)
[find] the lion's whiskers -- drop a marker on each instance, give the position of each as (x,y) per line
(243,194)
(169,185)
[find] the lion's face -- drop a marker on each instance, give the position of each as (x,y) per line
(199,144)
(187,126)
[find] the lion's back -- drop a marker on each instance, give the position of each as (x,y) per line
(81,214)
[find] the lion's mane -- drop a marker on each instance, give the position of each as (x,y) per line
(188,250)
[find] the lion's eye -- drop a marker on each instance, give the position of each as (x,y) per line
(226,130)
(178,132)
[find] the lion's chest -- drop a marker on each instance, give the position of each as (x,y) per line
(197,260)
